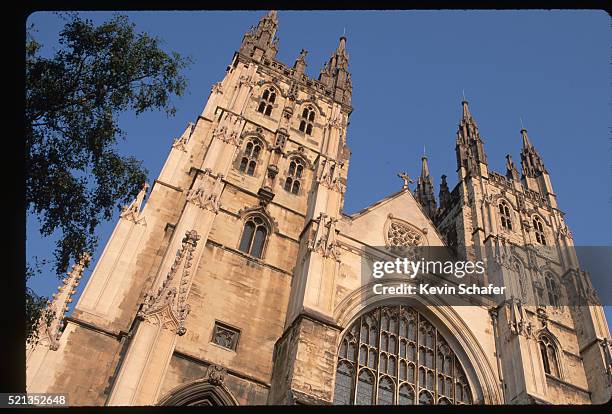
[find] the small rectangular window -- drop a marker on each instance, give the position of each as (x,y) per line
(225,336)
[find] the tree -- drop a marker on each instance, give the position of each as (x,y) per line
(75,177)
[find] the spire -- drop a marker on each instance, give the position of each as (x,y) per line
(444,194)
(300,65)
(525,137)
(58,307)
(531,162)
(424,167)
(511,171)
(335,75)
(424,191)
(469,147)
(261,40)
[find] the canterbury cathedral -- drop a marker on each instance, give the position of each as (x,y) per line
(235,277)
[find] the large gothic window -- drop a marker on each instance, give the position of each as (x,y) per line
(308,116)
(266,101)
(250,155)
(254,236)
(504,214)
(549,356)
(393,355)
(294,175)
(538,227)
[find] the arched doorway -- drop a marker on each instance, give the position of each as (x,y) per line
(199,393)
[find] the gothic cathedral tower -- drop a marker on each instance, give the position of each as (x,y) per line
(204,270)
(239,279)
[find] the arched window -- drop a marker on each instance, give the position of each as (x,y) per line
(254,236)
(394,355)
(266,101)
(548,351)
(294,175)
(552,287)
(307,120)
(538,227)
(250,155)
(504,214)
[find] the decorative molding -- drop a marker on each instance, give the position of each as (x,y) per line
(398,233)
(180,143)
(58,307)
(325,237)
(261,209)
(204,193)
(168,306)
(132,212)
(300,153)
(217,88)
(518,323)
(329,175)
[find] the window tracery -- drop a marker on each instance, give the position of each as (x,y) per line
(548,352)
(392,354)
(504,214)
(402,235)
(294,175)
(539,231)
(307,120)
(266,101)
(250,156)
(254,236)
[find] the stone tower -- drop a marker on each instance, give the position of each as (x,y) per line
(515,226)
(203,268)
(239,279)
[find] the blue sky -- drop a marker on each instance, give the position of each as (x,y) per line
(409,68)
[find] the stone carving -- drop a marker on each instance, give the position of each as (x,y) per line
(132,211)
(542,315)
(180,143)
(324,240)
(58,307)
(215,374)
(245,80)
(217,88)
(205,194)
(519,325)
(564,231)
(329,175)
(229,128)
(293,91)
(606,346)
(168,306)
(402,235)
(407,180)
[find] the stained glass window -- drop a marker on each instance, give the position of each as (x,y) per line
(390,363)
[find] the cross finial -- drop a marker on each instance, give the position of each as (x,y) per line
(407,180)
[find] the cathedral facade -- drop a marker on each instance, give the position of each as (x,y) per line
(238,281)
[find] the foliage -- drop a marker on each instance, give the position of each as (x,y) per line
(75,178)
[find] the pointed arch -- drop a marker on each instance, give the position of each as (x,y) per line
(198,393)
(248,158)
(550,353)
(382,385)
(479,371)
(539,227)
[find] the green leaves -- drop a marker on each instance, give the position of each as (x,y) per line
(75,178)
